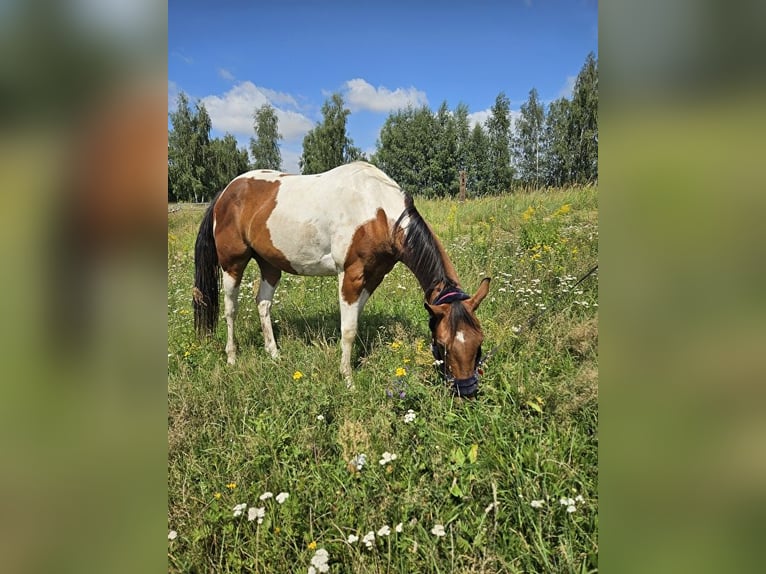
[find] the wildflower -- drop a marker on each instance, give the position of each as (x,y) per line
(572,508)
(217,495)
(387,457)
(384,530)
(579,498)
(567,501)
(239,509)
(395,345)
(409,416)
(265,496)
(527,215)
(312,545)
(297,375)
(359,461)
(537,503)
(368,539)
(281,497)
(516,329)
(438,530)
(172,535)
(320,417)
(400,372)
(352,538)
(231,485)
(319,560)
(259,513)
(399,527)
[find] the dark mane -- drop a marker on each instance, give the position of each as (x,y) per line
(423,256)
(421,252)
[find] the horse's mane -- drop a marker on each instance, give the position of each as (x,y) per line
(423,255)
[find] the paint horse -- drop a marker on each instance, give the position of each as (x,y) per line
(352,221)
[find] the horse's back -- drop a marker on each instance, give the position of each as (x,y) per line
(309,221)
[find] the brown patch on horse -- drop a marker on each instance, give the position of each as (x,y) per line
(370,256)
(241,232)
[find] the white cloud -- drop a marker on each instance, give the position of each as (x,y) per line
(361,95)
(480,117)
(568,87)
(233,111)
(172,95)
(226,74)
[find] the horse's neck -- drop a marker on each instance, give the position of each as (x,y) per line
(431,282)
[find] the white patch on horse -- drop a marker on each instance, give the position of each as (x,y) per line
(262,174)
(340,201)
(460,337)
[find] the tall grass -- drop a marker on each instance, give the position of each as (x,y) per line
(497,473)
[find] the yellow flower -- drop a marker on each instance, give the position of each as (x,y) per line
(312,545)
(527,215)
(405,361)
(395,345)
(563,210)
(277,530)
(217,495)
(400,372)
(231,485)
(297,375)
(575,251)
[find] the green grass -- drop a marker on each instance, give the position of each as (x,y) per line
(530,435)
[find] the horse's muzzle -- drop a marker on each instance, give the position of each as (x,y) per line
(466,388)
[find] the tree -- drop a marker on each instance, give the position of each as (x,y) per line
(405,150)
(264,147)
(499,133)
(188,141)
(584,122)
(327,145)
(527,141)
(462,136)
(227,161)
(477,163)
(556,146)
(444,168)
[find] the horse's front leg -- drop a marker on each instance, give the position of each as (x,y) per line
(269,279)
(352,297)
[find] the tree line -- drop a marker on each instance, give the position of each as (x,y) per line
(424,151)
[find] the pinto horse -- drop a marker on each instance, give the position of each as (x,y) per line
(352,221)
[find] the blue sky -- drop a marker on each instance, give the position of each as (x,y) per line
(235,56)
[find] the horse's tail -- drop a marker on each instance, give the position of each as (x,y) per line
(207,276)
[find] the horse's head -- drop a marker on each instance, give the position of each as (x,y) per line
(457,336)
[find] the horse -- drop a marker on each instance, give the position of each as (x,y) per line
(352,221)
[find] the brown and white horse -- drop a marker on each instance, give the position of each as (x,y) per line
(352,221)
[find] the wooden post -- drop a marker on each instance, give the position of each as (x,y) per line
(462,185)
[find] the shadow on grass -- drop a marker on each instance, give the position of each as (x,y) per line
(375,328)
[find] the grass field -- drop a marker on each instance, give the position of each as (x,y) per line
(507,482)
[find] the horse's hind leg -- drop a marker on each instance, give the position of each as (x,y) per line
(231,281)
(270,276)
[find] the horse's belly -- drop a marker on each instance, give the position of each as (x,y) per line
(307,248)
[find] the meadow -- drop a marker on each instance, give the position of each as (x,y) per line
(274,466)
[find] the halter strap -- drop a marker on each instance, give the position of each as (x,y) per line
(449,294)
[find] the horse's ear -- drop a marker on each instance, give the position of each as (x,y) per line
(481,292)
(436,311)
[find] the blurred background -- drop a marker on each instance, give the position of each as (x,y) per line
(83,128)
(83,175)
(682,465)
